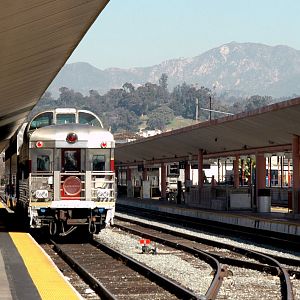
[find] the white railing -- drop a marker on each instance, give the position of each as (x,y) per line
(38,184)
(96,186)
(103,186)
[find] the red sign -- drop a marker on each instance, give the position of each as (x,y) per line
(72,186)
(144,242)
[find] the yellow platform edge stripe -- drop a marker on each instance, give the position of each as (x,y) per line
(4,205)
(47,278)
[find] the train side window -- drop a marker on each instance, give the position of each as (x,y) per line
(43,163)
(41,160)
(42,120)
(86,118)
(98,159)
(98,163)
(65,119)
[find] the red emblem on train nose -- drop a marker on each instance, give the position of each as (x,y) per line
(72,186)
(103,145)
(72,138)
(39,144)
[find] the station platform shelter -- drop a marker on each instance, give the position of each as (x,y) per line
(245,162)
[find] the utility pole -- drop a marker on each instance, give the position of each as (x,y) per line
(197,109)
(209,107)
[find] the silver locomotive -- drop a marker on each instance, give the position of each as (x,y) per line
(65,176)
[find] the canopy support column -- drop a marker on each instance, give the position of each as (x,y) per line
(163,181)
(200,169)
(236,176)
(296,174)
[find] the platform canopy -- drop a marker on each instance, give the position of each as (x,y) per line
(36,37)
(268,129)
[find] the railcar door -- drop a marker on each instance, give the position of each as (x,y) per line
(71,186)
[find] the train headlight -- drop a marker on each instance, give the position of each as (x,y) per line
(98,211)
(72,138)
(39,144)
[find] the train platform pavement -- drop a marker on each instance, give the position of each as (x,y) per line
(278,220)
(26,271)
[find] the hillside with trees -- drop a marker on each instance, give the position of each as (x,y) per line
(241,69)
(151,105)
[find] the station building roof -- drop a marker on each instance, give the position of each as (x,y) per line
(267,129)
(36,37)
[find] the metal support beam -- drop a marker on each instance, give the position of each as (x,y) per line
(163,181)
(200,169)
(236,176)
(296,173)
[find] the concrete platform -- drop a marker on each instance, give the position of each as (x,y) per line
(27,272)
(274,221)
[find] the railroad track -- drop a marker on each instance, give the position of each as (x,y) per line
(252,235)
(226,254)
(113,275)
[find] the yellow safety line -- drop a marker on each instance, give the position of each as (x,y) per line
(45,275)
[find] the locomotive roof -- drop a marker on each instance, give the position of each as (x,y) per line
(59,133)
(63,116)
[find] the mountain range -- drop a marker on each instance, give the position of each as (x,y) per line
(234,68)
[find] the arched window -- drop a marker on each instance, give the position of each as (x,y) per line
(42,120)
(90,119)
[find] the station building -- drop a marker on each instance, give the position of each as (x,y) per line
(249,161)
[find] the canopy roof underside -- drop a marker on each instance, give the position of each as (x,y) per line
(271,127)
(36,37)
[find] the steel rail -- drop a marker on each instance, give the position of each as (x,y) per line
(95,284)
(280,259)
(286,284)
(283,260)
(275,269)
(264,236)
(220,272)
(163,281)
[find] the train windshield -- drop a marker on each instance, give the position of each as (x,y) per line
(42,120)
(86,118)
(98,160)
(65,119)
(41,160)
(71,160)
(98,163)
(43,163)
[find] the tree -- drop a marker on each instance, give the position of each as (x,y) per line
(257,101)
(163,81)
(160,117)
(184,100)
(122,119)
(128,87)
(66,97)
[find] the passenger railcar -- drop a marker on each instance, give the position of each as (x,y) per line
(65,175)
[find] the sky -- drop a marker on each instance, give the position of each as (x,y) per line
(141,33)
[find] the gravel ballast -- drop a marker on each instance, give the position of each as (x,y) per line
(194,274)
